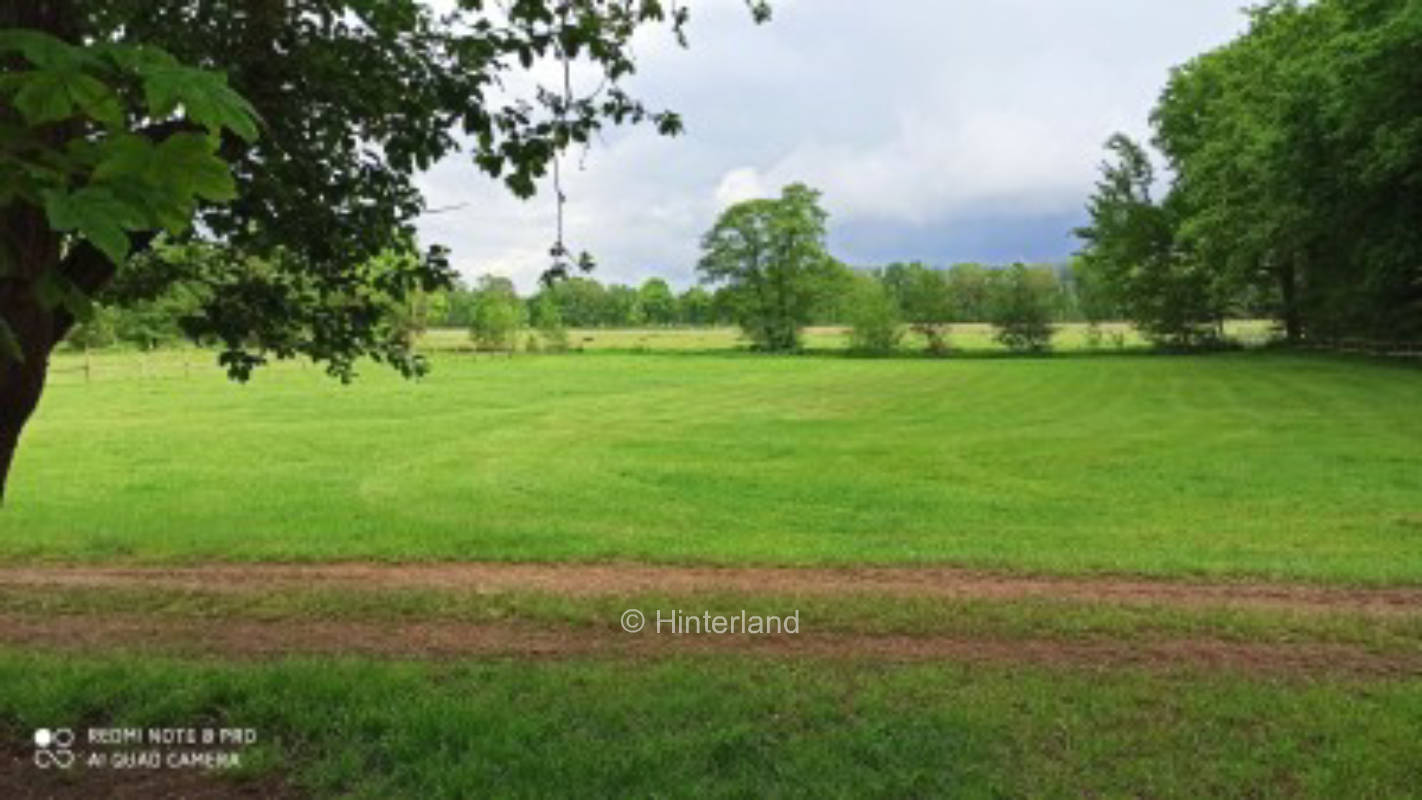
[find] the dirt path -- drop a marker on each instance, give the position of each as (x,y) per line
(435,640)
(251,638)
(627,580)
(247,637)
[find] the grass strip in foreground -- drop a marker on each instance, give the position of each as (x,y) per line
(728,726)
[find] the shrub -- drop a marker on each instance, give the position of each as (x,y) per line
(96,333)
(498,315)
(1022,310)
(873,315)
(549,320)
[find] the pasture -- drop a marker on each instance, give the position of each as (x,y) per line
(1248,464)
(895,556)
(1088,574)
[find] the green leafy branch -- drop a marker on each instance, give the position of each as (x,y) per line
(111,140)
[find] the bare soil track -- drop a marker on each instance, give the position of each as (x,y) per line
(424,640)
(578,580)
(252,638)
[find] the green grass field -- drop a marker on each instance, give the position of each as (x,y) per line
(677,447)
(1241,464)
(729,727)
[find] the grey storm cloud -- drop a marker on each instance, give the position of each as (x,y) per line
(938,130)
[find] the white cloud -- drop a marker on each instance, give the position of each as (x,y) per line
(739,185)
(919,115)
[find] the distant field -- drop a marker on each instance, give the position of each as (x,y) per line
(1239,464)
(965,338)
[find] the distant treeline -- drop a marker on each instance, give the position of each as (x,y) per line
(966,295)
(493,310)
(897,296)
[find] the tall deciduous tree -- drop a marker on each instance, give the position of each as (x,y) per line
(1132,252)
(770,255)
(581,301)
(970,287)
(622,306)
(657,302)
(1295,154)
(121,118)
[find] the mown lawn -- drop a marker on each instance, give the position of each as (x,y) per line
(1240,464)
(739,727)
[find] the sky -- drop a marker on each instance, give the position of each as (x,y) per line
(938,130)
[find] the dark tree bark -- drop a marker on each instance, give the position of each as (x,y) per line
(38,329)
(36,249)
(33,326)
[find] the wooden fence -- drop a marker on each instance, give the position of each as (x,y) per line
(102,366)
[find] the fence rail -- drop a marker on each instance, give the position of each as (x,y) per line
(102,366)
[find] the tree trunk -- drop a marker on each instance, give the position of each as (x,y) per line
(25,232)
(21,383)
(1289,294)
(32,325)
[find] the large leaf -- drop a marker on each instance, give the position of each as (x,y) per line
(136,59)
(218,106)
(204,97)
(190,160)
(38,48)
(97,100)
(96,214)
(50,95)
(161,183)
(166,206)
(125,156)
(44,97)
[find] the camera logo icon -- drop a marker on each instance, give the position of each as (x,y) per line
(52,748)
